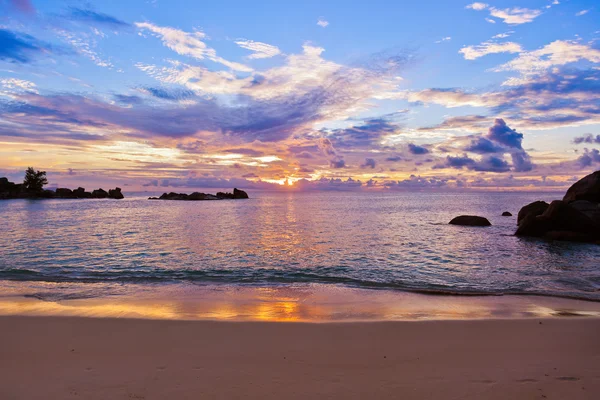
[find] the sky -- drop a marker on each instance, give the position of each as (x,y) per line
(314,95)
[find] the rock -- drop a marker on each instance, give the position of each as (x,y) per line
(197,196)
(80,193)
(559,222)
(536,208)
(239,194)
(506,214)
(115,194)
(470,220)
(587,188)
(590,209)
(64,193)
(99,194)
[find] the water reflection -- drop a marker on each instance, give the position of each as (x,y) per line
(310,303)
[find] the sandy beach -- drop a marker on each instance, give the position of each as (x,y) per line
(103,358)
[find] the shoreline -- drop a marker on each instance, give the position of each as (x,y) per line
(100,358)
(298,303)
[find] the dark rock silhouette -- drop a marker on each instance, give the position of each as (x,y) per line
(575,218)
(10,190)
(99,194)
(115,193)
(197,196)
(536,208)
(64,193)
(506,214)
(587,188)
(470,220)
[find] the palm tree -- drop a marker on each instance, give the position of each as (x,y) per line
(34,180)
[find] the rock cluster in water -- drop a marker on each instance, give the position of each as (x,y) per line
(574,218)
(11,190)
(237,194)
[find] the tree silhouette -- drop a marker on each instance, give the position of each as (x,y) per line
(34,180)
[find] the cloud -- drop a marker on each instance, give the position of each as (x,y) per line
(491,21)
(511,16)
(417,182)
(90,16)
(515,16)
(477,6)
(369,163)
(84,47)
(328,184)
(444,39)
(589,158)
(189,44)
(501,133)
(499,140)
(417,150)
(485,48)
(482,145)
(557,53)
(259,49)
(20,48)
(322,23)
(369,134)
(168,94)
(486,164)
(337,162)
(18,85)
(589,139)
(563,97)
(582,12)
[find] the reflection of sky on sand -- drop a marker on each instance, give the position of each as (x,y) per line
(306,303)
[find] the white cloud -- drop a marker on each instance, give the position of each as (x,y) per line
(18,85)
(261,50)
(503,35)
(84,47)
(190,44)
(322,23)
(474,52)
(557,53)
(515,16)
(582,12)
(444,39)
(512,16)
(477,6)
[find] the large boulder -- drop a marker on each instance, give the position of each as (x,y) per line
(239,194)
(506,214)
(560,221)
(590,209)
(587,188)
(99,194)
(115,194)
(470,220)
(536,208)
(80,193)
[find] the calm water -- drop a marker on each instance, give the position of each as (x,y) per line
(391,241)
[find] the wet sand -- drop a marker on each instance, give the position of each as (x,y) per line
(103,358)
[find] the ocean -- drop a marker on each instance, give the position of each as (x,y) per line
(391,241)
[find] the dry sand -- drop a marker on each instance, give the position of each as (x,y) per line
(94,358)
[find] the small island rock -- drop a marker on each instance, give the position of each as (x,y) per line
(506,214)
(470,220)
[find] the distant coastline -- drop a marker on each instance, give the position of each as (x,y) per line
(10,190)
